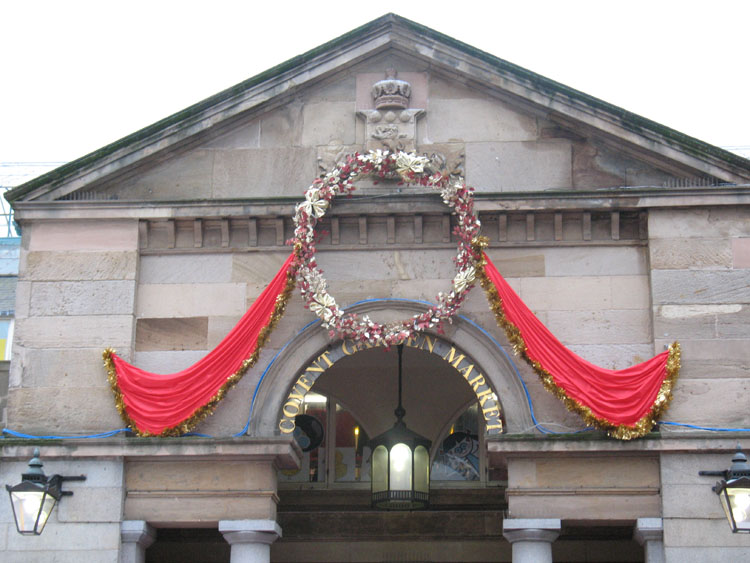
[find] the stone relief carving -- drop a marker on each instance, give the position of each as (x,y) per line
(333,154)
(391,92)
(449,160)
(392,124)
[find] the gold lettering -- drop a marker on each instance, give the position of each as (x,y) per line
(466,372)
(286,425)
(493,426)
(324,355)
(287,405)
(346,351)
(296,395)
(316,363)
(490,412)
(305,383)
(450,357)
(430,342)
(484,396)
(477,382)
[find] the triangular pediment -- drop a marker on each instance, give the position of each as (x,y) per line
(506,128)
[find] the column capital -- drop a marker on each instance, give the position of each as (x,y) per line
(648,529)
(649,532)
(531,529)
(138,532)
(250,531)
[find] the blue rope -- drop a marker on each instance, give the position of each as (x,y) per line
(705,427)
(107,434)
(265,371)
(537,424)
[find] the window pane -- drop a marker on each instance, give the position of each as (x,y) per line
(352,456)
(458,456)
(310,433)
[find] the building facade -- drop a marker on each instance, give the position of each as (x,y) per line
(621,235)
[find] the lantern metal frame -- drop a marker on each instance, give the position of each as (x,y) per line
(734,485)
(41,492)
(390,498)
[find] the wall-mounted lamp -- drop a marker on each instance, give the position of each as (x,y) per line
(35,496)
(734,491)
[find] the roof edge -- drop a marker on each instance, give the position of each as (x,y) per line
(630,120)
(58,175)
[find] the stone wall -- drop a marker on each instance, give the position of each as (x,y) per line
(76,296)
(499,145)
(700,285)
(695,527)
(4,376)
(593,297)
(83,527)
(614,487)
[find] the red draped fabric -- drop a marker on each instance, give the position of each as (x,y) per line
(624,402)
(173,404)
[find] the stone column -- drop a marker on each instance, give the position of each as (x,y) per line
(250,539)
(649,532)
(531,538)
(136,536)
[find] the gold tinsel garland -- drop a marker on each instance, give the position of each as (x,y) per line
(619,431)
(206,410)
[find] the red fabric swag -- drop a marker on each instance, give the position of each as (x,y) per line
(153,404)
(616,397)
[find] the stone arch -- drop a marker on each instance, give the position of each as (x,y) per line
(465,336)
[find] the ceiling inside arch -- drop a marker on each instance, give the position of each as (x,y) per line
(366,383)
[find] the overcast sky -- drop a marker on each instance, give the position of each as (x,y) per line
(78,75)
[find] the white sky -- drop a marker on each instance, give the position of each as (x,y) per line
(77,75)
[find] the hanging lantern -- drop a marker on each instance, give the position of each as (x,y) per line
(734,493)
(400,463)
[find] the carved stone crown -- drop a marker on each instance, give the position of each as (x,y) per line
(391,93)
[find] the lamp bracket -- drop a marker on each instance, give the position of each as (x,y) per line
(723,473)
(62,478)
(72,477)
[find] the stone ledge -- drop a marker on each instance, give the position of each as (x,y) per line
(515,445)
(283,451)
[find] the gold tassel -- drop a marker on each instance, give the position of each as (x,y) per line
(619,431)
(206,410)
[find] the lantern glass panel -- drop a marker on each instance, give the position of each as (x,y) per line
(26,506)
(401,468)
(421,470)
(736,504)
(380,469)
